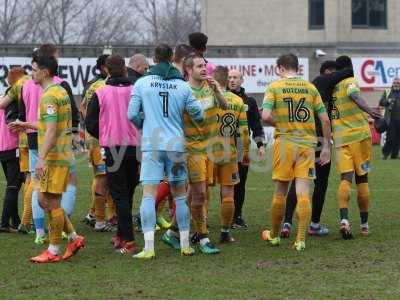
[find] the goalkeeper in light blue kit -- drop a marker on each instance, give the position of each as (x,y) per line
(158,103)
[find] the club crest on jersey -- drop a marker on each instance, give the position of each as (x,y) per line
(50,109)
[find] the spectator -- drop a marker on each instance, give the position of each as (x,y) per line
(137,66)
(254,123)
(391,101)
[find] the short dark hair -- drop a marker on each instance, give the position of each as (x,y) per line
(188,63)
(101,61)
(327,65)
(47,50)
(181,51)
(288,61)
(221,75)
(115,65)
(344,62)
(163,53)
(198,41)
(46,62)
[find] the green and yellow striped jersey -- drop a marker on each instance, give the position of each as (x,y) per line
(199,135)
(233,131)
(295,103)
(55,107)
(349,122)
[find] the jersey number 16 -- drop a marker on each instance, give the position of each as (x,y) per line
(298,114)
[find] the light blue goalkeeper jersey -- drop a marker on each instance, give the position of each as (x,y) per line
(157,106)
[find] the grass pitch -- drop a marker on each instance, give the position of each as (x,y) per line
(330,268)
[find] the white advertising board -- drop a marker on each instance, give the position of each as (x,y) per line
(258,72)
(373,72)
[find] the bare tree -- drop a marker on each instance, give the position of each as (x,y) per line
(149,11)
(35,25)
(169,20)
(14,14)
(62,16)
(181,18)
(107,23)
(98,21)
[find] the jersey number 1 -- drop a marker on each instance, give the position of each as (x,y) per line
(298,114)
(164,96)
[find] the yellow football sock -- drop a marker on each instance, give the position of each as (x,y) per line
(343,194)
(277,211)
(68,228)
(227,212)
(100,205)
(304,216)
(56,224)
(363,197)
(27,213)
(92,210)
(111,210)
(198,218)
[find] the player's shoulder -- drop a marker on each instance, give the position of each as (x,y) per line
(97,84)
(100,87)
(276,84)
(231,97)
(146,82)
(310,87)
(20,82)
(350,80)
(353,81)
(307,84)
(55,91)
(29,82)
(143,79)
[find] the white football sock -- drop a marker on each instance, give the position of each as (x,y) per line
(54,249)
(184,239)
(149,241)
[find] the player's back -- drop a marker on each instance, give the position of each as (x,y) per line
(295,103)
(163,104)
(349,122)
(228,121)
